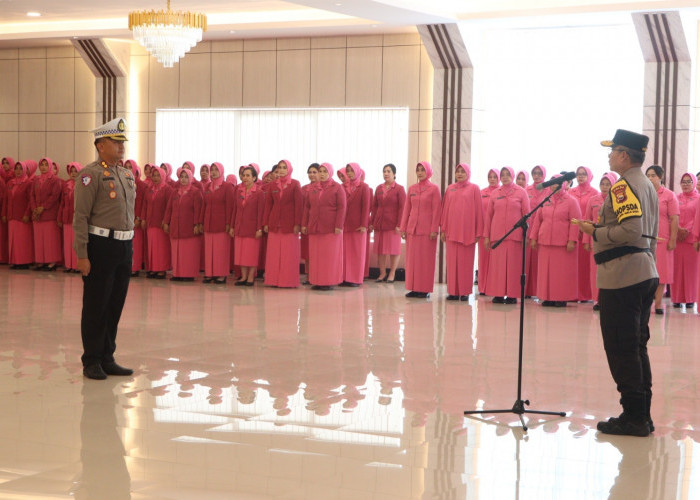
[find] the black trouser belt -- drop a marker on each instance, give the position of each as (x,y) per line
(614,253)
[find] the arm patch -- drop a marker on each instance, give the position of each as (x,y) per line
(625,203)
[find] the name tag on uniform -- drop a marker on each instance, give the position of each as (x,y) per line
(625,203)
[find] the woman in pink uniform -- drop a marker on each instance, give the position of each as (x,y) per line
(323,218)
(204,177)
(7,166)
(282,224)
(685,260)
(582,193)
(182,221)
(522,178)
(138,242)
(44,199)
(668,233)
(17,213)
(535,196)
(460,227)
(219,203)
(6,174)
(169,181)
(233,180)
(556,237)
(494,182)
(247,225)
(312,173)
(154,206)
(506,206)
(356,225)
(419,227)
(387,209)
(190,166)
(65,217)
(591,214)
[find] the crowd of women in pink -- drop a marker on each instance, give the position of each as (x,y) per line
(254,224)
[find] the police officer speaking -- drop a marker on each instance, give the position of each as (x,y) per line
(624,248)
(103,225)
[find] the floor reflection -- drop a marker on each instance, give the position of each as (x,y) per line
(355,393)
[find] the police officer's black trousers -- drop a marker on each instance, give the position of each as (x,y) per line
(104,293)
(624,322)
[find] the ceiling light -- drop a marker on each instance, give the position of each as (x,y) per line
(34,14)
(168,35)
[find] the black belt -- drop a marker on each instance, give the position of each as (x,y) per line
(614,253)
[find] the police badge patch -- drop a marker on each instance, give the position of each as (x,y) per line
(625,203)
(86,179)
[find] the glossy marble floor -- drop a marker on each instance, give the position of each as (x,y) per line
(356,394)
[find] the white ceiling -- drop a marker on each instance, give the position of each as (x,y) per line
(62,20)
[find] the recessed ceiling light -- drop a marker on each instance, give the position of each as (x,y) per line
(232,31)
(34,14)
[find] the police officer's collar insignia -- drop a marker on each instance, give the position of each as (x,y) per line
(127,173)
(86,179)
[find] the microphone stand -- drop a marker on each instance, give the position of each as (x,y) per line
(519,405)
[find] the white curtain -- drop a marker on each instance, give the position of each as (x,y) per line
(371,137)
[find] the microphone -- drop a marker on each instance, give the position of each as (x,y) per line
(557,181)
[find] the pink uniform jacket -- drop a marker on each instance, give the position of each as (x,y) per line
(218,208)
(506,206)
(154,205)
(421,213)
(325,209)
(387,207)
(462,220)
(183,212)
(249,212)
(46,192)
(283,207)
(552,225)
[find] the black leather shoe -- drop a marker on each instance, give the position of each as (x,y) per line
(453,297)
(659,311)
(418,295)
(596,307)
(498,300)
(676,305)
(114,369)
(464,298)
(548,303)
(510,300)
(94,372)
(624,427)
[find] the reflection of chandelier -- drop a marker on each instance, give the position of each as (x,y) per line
(167,35)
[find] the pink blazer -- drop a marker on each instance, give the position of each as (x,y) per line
(462,220)
(249,213)
(552,225)
(325,209)
(421,213)
(183,212)
(358,203)
(283,208)
(506,206)
(387,207)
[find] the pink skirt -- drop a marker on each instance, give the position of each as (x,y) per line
(47,242)
(70,258)
(387,243)
(137,243)
(20,242)
(185,255)
(531,265)
(217,254)
(158,250)
(664,263)
(247,251)
(685,276)
(305,246)
(483,265)
(282,261)
(557,273)
(326,259)
(584,268)
(460,268)
(504,269)
(3,243)
(420,263)
(354,256)
(263,252)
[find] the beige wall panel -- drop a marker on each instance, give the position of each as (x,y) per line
(83,148)
(163,86)
(9,54)
(151,123)
(9,86)
(84,122)
(9,145)
(413,158)
(401,76)
(259,78)
(261,44)
(364,77)
(136,49)
(33,53)
(402,39)
(32,145)
(365,41)
(413,120)
(60,147)
(227,46)
(329,42)
(328,77)
(138,83)
(200,48)
(426,79)
(293,78)
(84,88)
(32,122)
(32,91)
(9,122)
(67,51)
(137,148)
(195,81)
(227,79)
(293,43)
(60,86)
(60,122)
(425,120)
(151,151)
(138,122)
(425,148)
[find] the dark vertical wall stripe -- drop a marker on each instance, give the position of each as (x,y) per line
(109,79)
(674,104)
(657,110)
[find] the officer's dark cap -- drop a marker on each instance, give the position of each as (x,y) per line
(631,140)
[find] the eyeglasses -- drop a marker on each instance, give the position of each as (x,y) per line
(687,182)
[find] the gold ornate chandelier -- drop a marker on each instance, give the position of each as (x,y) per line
(168,35)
